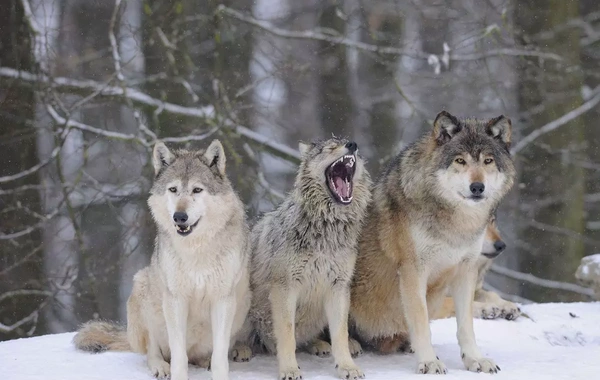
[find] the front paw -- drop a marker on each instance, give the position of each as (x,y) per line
(481,365)
(510,311)
(435,367)
(161,370)
(486,310)
(349,371)
(241,353)
(320,348)
(355,347)
(290,374)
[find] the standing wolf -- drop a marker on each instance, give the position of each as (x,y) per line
(303,256)
(194,296)
(424,235)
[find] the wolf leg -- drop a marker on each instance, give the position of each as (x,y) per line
(176,315)
(413,291)
(463,291)
(283,310)
(319,348)
(337,303)
(222,314)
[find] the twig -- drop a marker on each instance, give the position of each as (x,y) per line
(29,229)
(113,41)
(542,282)
(24,292)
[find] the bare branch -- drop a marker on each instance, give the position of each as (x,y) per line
(24,292)
(29,229)
(113,41)
(564,119)
(542,282)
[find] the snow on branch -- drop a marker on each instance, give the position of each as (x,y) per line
(86,87)
(384,50)
(542,282)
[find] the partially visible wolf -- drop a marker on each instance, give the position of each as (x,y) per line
(303,256)
(424,233)
(487,304)
(192,299)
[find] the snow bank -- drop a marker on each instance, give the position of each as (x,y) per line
(560,341)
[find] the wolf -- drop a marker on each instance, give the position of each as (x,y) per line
(190,302)
(487,304)
(303,256)
(424,232)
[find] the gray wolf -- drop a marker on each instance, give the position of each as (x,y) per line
(487,304)
(424,233)
(190,302)
(303,256)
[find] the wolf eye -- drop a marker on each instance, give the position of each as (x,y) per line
(460,161)
(197,190)
(488,161)
(173,189)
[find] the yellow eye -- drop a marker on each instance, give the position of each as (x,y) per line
(173,189)
(488,161)
(460,161)
(197,190)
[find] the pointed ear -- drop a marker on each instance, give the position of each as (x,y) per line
(215,156)
(161,157)
(445,127)
(500,128)
(303,147)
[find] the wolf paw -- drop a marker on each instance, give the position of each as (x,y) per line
(486,311)
(320,348)
(510,311)
(241,353)
(355,347)
(290,374)
(349,371)
(481,365)
(160,369)
(435,367)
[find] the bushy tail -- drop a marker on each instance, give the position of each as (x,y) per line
(98,336)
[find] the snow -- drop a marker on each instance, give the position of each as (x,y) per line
(560,341)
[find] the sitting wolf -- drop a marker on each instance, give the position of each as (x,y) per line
(303,256)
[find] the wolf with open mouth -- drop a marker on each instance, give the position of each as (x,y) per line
(303,256)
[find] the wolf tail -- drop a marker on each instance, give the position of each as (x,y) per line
(98,336)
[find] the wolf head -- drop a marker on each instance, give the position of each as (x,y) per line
(492,241)
(189,188)
(472,159)
(331,169)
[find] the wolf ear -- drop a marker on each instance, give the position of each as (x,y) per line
(500,128)
(303,147)
(161,157)
(215,156)
(445,127)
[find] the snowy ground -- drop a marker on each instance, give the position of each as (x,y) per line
(562,341)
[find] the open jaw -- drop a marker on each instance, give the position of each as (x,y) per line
(339,177)
(185,229)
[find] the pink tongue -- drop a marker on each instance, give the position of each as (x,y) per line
(342,188)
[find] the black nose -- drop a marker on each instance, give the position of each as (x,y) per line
(352,146)
(499,246)
(477,188)
(180,217)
